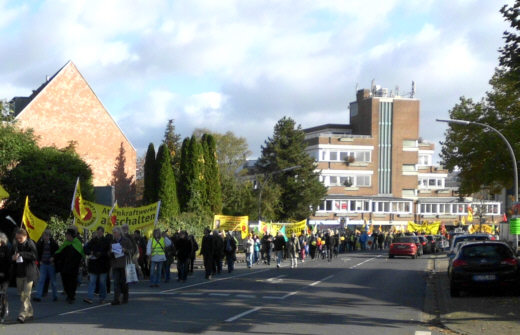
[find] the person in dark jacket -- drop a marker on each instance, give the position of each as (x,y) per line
(5,266)
(279,247)
(230,250)
(98,250)
(26,271)
(206,250)
(46,247)
(218,252)
(121,250)
(183,254)
(266,241)
(193,255)
(68,260)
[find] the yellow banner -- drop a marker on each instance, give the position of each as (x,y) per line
(290,228)
(425,228)
(3,193)
(35,226)
(90,215)
(232,223)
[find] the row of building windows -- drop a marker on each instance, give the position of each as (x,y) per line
(366,206)
(404,207)
(431,182)
(347,181)
(341,155)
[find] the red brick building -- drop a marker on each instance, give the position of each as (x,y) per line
(65,109)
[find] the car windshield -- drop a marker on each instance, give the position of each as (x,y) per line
(404,240)
(470,238)
(496,251)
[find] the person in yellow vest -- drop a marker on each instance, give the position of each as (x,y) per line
(156,251)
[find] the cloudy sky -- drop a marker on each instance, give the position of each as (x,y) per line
(242,65)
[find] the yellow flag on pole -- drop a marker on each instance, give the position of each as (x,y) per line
(3,193)
(35,226)
(470,214)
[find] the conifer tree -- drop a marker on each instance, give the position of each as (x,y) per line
(183,175)
(195,189)
(124,185)
(211,175)
(300,187)
(173,142)
(150,176)
(166,186)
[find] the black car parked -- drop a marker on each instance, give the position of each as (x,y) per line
(484,264)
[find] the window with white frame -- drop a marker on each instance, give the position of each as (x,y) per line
(356,155)
(425,160)
(353,181)
(431,182)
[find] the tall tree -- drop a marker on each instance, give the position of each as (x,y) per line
(211,175)
(301,190)
(195,189)
(150,176)
(124,185)
(480,156)
(166,186)
(173,142)
(183,175)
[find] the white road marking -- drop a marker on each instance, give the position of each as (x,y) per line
(289,294)
(214,281)
(238,316)
(420,332)
(220,294)
(277,279)
(321,280)
(191,293)
(368,260)
(84,309)
(248,296)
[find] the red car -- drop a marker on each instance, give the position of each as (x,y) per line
(403,246)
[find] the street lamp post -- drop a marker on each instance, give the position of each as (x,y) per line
(260,186)
(511,152)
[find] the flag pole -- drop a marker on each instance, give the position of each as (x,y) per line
(157,213)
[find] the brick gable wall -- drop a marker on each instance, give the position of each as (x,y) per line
(68,110)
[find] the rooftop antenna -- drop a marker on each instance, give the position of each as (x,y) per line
(396,90)
(373,86)
(357,87)
(412,93)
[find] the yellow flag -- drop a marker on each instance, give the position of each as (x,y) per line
(470,214)
(35,226)
(463,221)
(3,193)
(244,229)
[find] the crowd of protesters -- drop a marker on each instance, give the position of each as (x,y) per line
(105,259)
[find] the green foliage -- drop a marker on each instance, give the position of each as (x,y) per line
(481,156)
(14,143)
(183,175)
(150,176)
(173,142)
(211,175)
(300,188)
(58,227)
(123,184)
(48,177)
(193,223)
(194,177)
(166,186)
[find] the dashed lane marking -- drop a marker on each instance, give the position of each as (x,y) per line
(368,260)
(238,316)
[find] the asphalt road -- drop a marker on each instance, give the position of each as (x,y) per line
(357,293)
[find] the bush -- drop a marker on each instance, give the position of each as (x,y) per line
(58,226)
(193,223)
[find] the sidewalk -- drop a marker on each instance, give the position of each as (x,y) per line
(485,313)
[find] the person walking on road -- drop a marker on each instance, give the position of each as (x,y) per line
(279,247)
(218,252)
(183,248)
(121,251)
(206,250)
(267,240)
(193,255)
(5,267)
(230,251)
(156,251)
(293,246)
(98,250)
(68,260)
(249,249)
(46,247)
(25,256)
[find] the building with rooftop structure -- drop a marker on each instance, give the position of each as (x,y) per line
(378,169)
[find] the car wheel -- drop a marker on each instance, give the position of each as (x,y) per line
(390,256)
(454,291)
